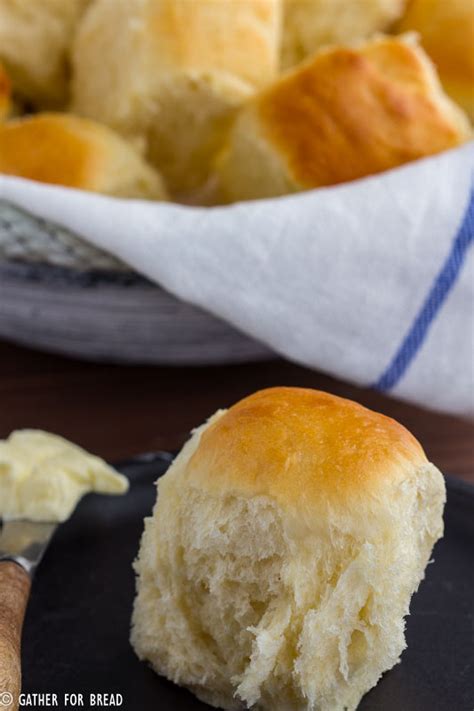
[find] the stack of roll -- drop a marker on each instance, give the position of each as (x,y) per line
(220,100)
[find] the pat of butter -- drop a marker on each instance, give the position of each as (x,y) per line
(43,476)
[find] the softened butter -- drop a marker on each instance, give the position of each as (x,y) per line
(43,476)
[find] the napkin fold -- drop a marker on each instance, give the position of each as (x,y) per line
(371,281)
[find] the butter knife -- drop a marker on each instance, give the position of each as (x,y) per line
(22,546)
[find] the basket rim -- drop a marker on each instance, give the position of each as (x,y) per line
(45,272)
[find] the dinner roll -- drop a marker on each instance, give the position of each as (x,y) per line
(78,153)
(446,28)
(287,539)
(5,89)
(35,36)
(346,113)
(170,73)
(310,24)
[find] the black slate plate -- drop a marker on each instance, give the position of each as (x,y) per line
(77,625)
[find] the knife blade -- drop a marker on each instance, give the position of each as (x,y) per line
(25,542)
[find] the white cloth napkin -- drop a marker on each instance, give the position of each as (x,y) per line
(371,281)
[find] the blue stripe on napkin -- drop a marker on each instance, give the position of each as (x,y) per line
(437,295)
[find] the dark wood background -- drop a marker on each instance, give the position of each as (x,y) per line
(119,411)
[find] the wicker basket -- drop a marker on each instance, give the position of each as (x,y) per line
(60,294)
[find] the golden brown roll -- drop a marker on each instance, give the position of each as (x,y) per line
(78,153)
(286,542)
(169,73)
(346,113)
(35,36)
(446,28)
(5,91)
(311,24)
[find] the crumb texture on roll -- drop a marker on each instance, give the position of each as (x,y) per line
(35,38)
(347,113)
(170,73)
(446,29)
(77,153)
(311,24)
(286,542)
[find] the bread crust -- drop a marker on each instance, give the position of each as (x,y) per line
(189,66)
(446,29)
(309,25)
(318,116)
(302,446)
(67,150)
(5,92)
(35,39)
(348,112)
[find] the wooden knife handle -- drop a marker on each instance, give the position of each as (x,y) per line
(15,586)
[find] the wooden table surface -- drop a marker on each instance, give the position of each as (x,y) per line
(119,411)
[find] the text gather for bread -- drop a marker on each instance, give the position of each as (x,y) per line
(286,542)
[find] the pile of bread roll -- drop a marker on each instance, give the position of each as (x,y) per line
(212,101)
